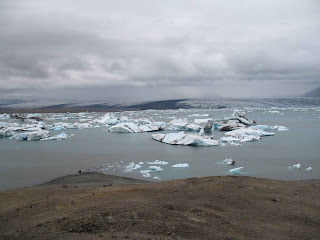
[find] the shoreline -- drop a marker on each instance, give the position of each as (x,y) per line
(92,179)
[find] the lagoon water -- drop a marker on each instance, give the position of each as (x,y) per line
(26,163)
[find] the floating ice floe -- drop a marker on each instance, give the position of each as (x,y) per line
(133,128)
(83,125)
(146,173)
(296,166)
(248,134)
(199,115)
(308,169)
(158,162)
(131,166)
(4,116)
(238,120)
(202,120)
(182,124)
(181,165)
(236,171)
(185,139)
(56,137)
(229,161)
(109,119)
(280,128)
(155,177)
(156,168)
(201,133)
(31,136)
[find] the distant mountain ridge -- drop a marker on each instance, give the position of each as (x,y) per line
(313,93)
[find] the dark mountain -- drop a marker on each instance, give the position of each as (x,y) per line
(313,93)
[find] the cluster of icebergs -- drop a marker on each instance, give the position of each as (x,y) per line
(155,167)
(238,127)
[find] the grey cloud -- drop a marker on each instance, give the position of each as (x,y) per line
(167,45)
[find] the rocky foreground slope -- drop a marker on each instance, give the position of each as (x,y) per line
(104,207)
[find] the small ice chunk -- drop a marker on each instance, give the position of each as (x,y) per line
(236,171)
(57,137)
(229,161)
(181,165)
(201,133)
(281,128)
(140,163)
(296,166)
(145,173)
(308,169)
(158,162)
(156,168)
(131,166)
(155,177)
(235,144)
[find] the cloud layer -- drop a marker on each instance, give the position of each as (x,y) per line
(171,48)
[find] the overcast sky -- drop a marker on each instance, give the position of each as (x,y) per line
(148,49)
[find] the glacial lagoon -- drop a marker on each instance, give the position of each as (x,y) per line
(26,163)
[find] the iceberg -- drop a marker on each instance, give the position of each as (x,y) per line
(146,173)
(4,116)
(133,128)
(229,161)
(56,137)
(296,166)
(280,128)
(199,115)
(308,169)
(182,124)
(156,168)
(131,166)
(83,125)
(202,120)
(109,119)
(158,162)
(201,133)
(184,139)
(32,136)
(236,171)
(239,120)
(181,165)
(248,134)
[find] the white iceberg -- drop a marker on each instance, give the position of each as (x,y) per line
(308,169)
(296,166)
(83,125)
(146,173)
(131,166)
(32,136)
(133,128)
(156,168)
(182,124)
(57,137)
(199,115)
(184,139)
(109,119)
(248,134)
(158,162)
(181,165)
(236,171)
(202,120)
(280,128)
(229,161)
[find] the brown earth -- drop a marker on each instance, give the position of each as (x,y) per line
(95,206)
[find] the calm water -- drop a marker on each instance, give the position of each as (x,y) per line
(25,163)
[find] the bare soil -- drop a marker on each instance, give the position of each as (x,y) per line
(95,206)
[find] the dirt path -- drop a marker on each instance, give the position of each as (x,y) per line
(97,207)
